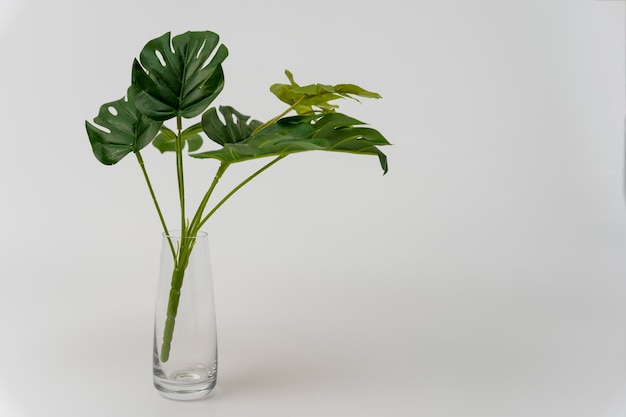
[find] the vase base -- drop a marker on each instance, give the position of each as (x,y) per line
(191,384)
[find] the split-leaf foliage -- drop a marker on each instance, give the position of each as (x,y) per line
(179,78)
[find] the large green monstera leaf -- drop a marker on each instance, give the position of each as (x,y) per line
(329,132)
(180,76)
(121,129)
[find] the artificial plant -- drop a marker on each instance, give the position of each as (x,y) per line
(178,78)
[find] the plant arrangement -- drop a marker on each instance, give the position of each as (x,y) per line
(178,78)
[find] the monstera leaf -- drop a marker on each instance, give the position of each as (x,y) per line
(235,127)
(178,76)
(315,97)
(329,132)
(122,129)
(165,141)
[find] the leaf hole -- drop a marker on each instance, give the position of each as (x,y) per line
(212,55)
(159,56)
(200,49)
(112,110)
(102,128)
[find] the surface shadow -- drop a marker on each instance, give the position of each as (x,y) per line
(250,371)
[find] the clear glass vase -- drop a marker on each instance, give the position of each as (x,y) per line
(185,336)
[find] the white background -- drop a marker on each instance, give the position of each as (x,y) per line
(485,275)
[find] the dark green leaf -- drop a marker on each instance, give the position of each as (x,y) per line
(192,130)
(194,142)
(235,127)
(164,144)
(329,132)
(179,76)
(120,129)
(168,133)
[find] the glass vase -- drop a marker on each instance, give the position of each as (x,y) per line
(185,336)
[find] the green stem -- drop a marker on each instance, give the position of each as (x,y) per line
(275,119)
(180,175)
(184,251)
(196,218)
(156,203)
(178,275)
(186,245)
(237,188)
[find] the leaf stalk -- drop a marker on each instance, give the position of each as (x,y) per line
(155,201)
(180,175)
(276,118)
(237,188)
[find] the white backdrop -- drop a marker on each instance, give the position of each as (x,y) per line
(485,275)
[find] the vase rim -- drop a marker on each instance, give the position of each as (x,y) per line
(176,234)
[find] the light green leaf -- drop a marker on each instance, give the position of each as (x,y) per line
(354,90)
(165,141)
(315,98)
